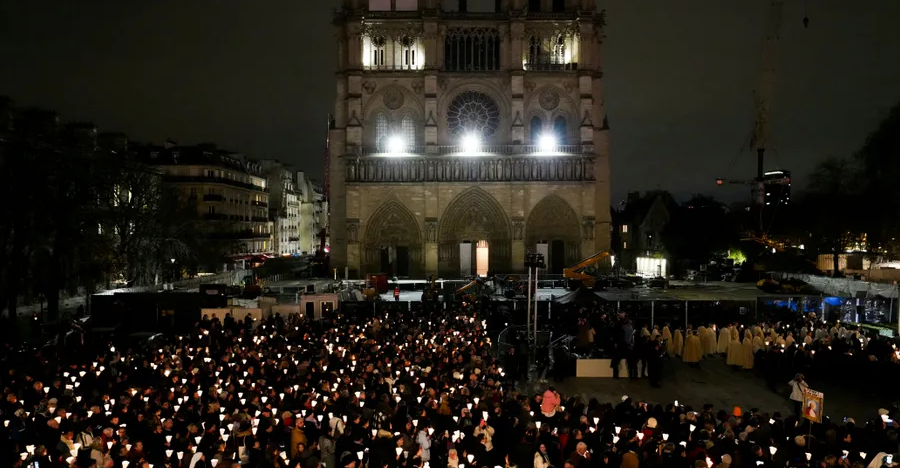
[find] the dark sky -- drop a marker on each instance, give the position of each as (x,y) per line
(256,77)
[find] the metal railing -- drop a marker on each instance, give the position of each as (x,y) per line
(214,180)
(393,68)
(550,66)
(439,150)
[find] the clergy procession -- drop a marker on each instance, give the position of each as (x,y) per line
(407,390)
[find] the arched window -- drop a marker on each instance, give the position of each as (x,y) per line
(536,127)
(408,130)
(534,5)
(559,6)
(381,130)
(560,130)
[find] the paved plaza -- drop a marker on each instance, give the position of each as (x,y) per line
(718,384)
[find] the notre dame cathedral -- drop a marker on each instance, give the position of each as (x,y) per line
(461,124)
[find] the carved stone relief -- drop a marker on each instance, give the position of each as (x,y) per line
(518,225)
(417,87)
(431,229)
(442,83)
(353,230)
(570,86)
(369,86)
(393,99)
(549,99)
(529,86)
(588,227)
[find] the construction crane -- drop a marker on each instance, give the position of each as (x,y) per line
(575,275)
(761,136)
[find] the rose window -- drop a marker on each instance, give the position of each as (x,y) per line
(473,112)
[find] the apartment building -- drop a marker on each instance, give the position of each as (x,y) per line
(230,193)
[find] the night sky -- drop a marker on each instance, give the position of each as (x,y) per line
(257,77)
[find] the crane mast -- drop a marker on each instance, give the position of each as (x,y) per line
(760,139)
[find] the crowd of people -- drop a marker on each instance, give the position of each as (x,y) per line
(396,390)
(768,347)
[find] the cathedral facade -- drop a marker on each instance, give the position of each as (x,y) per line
(467,133)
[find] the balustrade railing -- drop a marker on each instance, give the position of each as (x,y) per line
(438,150)
(476,169)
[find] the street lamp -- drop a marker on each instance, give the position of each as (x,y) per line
(471,143)
(547,144)
(396,145)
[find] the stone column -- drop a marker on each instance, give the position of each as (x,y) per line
(516,33)
(353,246)
(504,46)
(518,244)
(431,247)
(431,113)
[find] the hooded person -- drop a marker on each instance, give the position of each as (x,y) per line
(747,351)
(707,340)
(667,337)
(724,340)
(735,351)
(693,351)
(678,343)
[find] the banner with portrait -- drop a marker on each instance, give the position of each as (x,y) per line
(813,405)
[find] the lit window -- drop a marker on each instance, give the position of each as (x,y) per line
(381,129)
(559,129)
(624,228)
(536,126)
(408,130)
(625,245)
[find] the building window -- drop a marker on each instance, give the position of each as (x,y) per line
(408,130)
(535,129)
(625,245)
(560,130)
(559,6)
(553,51)
(472,49)
(381,130)
(624,228)
(534,5)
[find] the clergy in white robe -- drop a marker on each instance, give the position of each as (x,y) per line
(735,352)
(747,351)
(678,343)
(724,340)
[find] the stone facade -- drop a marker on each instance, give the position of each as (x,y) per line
(454,127)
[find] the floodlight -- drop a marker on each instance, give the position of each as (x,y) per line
(471,143)
(396,145)
(547,144)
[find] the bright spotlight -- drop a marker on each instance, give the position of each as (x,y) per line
(471,144)
(396,145)
(547,144)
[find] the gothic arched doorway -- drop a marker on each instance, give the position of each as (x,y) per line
(473,216)
(553,221)
(393,242)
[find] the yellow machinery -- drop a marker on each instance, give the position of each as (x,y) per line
(479,288)
(576,276)
(430,293)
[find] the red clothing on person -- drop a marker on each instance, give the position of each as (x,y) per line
(550,402)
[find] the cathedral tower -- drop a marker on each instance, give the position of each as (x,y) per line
(464,123)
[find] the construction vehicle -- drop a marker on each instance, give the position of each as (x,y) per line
(584,272)
(431,292)
(375,286)
(478,288)
(785,286)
